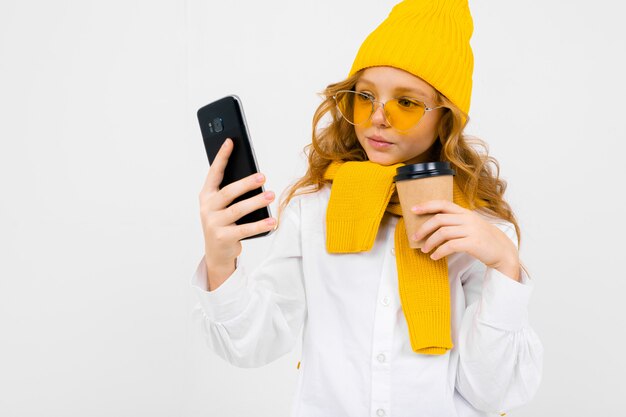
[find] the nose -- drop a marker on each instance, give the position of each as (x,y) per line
(378,117)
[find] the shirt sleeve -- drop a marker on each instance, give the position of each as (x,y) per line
(500,355)
(256,316)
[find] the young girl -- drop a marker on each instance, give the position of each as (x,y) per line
(387,330)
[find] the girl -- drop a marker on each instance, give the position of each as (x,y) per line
(387,330)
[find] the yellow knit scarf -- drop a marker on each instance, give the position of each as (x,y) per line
(361,193)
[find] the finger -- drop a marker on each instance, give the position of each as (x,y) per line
(434,206)
(216,171)
(227,194)
(251,229)
(450,247)
(233,213)
(435,222)
(442,235)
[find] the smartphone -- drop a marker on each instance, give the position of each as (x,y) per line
(221,119)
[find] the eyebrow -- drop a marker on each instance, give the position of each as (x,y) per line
(399,89)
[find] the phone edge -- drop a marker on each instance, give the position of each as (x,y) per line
(256,163)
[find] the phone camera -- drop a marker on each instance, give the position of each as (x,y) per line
(216,125)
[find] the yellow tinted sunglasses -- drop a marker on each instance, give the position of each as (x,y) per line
(402,113)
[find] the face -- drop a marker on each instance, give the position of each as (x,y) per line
(410,146)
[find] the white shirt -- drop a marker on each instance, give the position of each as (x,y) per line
(356,355)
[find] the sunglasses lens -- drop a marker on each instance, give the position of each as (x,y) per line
(404,113)
(354,107)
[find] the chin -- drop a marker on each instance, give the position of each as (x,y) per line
(385,160)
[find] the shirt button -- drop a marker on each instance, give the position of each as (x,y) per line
(380,357)
(380,412)
(393,250)
(385,301)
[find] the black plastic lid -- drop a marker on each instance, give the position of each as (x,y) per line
(423,170)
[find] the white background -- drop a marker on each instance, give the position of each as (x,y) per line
(101,163)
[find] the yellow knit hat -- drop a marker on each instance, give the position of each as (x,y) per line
(429,39)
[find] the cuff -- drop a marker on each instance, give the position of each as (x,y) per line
(504,302)
(226,301)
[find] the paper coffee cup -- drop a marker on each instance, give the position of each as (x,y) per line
(418,183)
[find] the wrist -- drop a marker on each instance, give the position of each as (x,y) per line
(510,268)
(217,274)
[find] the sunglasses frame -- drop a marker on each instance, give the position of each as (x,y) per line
(426,108)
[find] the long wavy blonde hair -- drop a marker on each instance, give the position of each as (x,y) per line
(337,141)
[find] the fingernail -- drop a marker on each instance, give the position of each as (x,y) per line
(259,178)
(415,208)
(269,195)
(270,221)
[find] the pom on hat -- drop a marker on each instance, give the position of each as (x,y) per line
(429,39)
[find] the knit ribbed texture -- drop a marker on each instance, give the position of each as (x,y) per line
(429,39)
(361,193)
(356,232)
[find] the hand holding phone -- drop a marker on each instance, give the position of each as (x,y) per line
(221,119)
(221,235)
(233,204)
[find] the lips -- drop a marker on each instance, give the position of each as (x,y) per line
(377,142)
(378,139)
